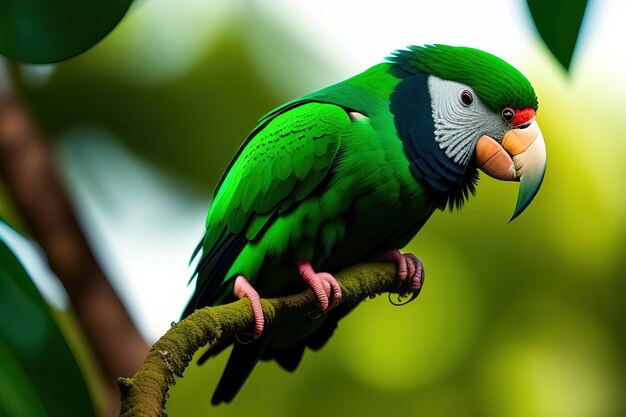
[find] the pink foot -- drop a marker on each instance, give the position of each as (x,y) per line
(409,266)
(324,285)
(244,289)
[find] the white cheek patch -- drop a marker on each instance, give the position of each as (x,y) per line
(457,126)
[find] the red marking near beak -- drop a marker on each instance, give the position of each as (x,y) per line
(523,116)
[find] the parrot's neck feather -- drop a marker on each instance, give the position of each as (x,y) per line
(448,181)
(497,83)
(458,127)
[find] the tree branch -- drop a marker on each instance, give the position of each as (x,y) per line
(144,394)
(27,165)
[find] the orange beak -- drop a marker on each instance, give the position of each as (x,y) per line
(521,156)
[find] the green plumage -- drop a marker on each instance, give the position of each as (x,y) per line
(280,196)
(496,82)
(311,183)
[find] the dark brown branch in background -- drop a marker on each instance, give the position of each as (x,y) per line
(144,394)
(28,169)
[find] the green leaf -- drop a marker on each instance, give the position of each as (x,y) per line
(558,23)
(38,373)
(188,127)
(191,125)
(44,31)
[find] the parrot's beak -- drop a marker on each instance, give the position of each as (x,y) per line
(521,156)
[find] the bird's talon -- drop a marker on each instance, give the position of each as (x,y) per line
(324,285)
(244,341)
(242,289)
(335,300)
(409,266)
(315,314)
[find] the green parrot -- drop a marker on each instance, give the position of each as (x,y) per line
(349,174)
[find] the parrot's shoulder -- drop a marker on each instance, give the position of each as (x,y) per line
(282,134)
(282,162)
(367,93)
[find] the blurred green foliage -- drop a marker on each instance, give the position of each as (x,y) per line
(521,319)
(558,23)
(187,117)
(40,376)
(41,31)
(177,125)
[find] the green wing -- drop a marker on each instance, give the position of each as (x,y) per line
(279,165)
(285,158)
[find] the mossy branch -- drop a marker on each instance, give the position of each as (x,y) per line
(145,393)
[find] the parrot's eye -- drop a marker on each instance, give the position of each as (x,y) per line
(466,97)
(508,114)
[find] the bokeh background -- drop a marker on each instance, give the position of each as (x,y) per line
(520,319)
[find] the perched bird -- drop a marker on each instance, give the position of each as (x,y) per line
(350,173)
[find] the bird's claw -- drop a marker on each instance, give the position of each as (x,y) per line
(324,285)
(409,267)
(332,291)
(246,339)
(417,276)
(242,289)
(315,314)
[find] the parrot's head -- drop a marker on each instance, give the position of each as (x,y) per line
(474,110)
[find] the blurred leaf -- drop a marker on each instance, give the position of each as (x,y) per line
(188,126)
(42,31)
(8,210)
(17,394)
(191,124)
(558,23)
(39,375)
